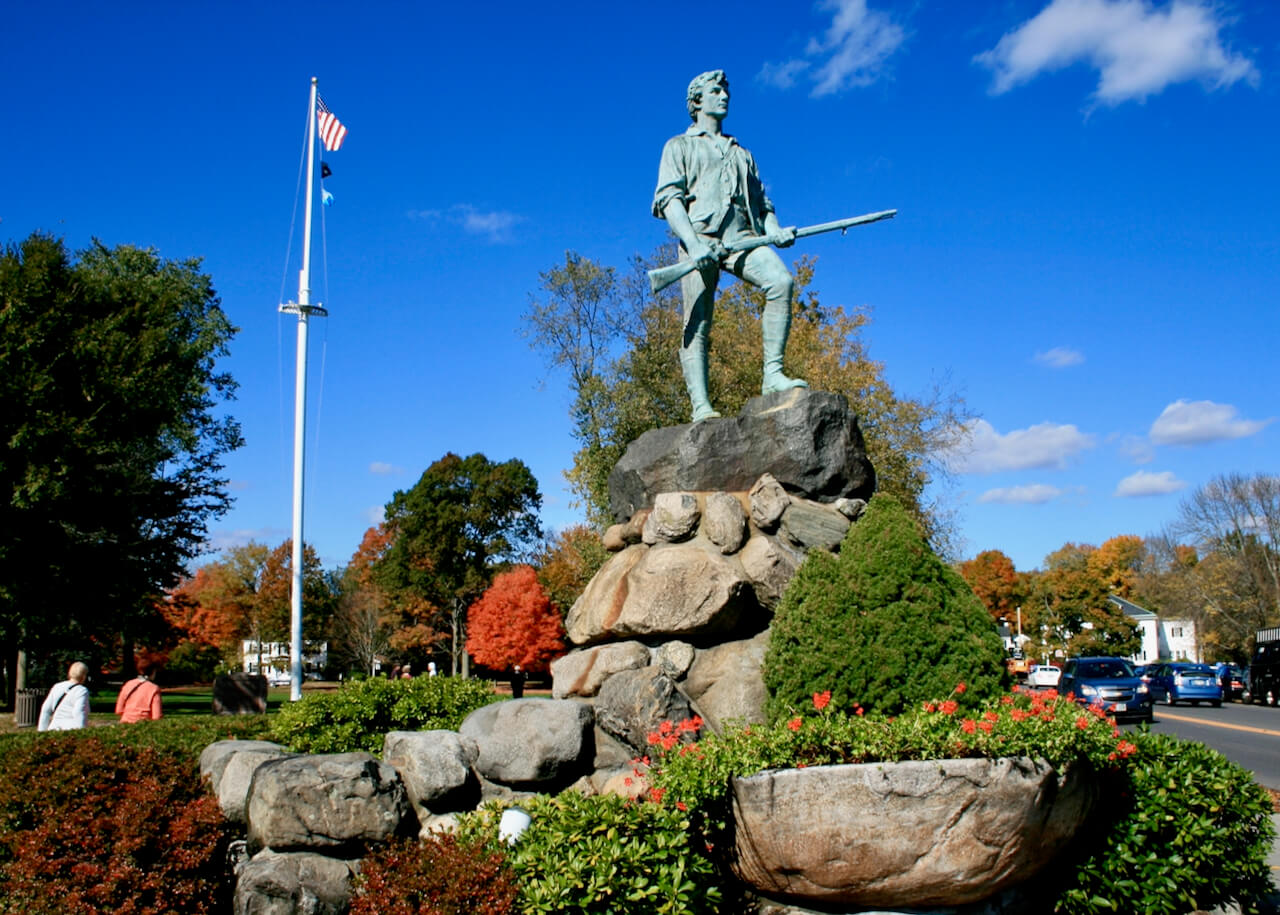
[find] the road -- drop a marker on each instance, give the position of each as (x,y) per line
(1248,735)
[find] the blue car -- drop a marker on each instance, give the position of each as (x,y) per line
(1182,681)
(1108,682)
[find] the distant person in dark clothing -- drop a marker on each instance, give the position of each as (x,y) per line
(517,682)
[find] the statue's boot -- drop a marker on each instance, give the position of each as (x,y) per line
(775,327)
(693,360)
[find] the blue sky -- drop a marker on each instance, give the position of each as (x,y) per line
(1087,245)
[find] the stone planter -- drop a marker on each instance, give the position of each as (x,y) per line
(940,832)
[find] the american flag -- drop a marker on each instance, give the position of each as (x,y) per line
(332,133)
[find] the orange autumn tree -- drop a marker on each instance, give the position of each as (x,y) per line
(993,578)
(515,622)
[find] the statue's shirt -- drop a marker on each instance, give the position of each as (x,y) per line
(711,176)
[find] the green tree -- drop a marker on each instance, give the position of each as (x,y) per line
(885,624)
(462,520)
(1070,597)
(625,375)
(113,439)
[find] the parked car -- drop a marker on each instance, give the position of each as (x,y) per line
(1044,675)
(1143,672)
(1109,682)
(1232,679)
(1182,681)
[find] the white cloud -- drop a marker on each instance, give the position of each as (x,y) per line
(851,52)
(382,468)
(1197,422)
(1143,483)
(1137,49)
(1033,494)
(494,225)
(1137,449)
(1060,357)
(984,450)
(375,514)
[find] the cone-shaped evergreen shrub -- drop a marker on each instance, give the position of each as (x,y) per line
(885,624)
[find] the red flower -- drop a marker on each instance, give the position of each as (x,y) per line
(794,724)
(1006,700)
(929,707)
(1018,714)
(949,707)
(986,726)
(655,794)
(1082,723)
(969,726)
(821,700)
(990,715)
(960,688)
(664,728)
(857,710)
(681,806)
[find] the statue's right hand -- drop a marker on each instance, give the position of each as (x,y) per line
(706,255)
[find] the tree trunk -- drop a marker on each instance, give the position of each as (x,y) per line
(128,664)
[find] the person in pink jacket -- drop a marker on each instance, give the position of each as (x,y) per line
(139,699)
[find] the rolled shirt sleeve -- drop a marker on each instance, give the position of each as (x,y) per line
(673,177)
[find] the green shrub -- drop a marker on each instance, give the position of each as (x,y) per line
(357,716)
(438,876)
(885,624)
(604,854)
(93,826)
(1187,829)
(185,735)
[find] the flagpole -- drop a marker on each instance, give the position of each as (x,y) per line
(304,310)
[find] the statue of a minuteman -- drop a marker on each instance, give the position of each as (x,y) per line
(710,194)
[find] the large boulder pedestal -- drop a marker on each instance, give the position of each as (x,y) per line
(906,835)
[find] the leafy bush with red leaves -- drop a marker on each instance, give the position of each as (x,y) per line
(439,876)
(88,826)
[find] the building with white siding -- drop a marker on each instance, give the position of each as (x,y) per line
(1162,639)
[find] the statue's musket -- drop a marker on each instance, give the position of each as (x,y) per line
(662,277)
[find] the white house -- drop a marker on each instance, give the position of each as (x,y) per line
(275,659)
(1162,640)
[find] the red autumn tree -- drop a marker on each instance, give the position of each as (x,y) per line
(993,578)
(514,622)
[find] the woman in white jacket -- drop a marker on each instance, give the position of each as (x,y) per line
(67,706)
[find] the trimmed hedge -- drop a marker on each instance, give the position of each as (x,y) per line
(359,715)
(1188,830)
(438,876)
(91,825)
(885,624)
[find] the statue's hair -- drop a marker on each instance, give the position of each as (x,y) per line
(693,98)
